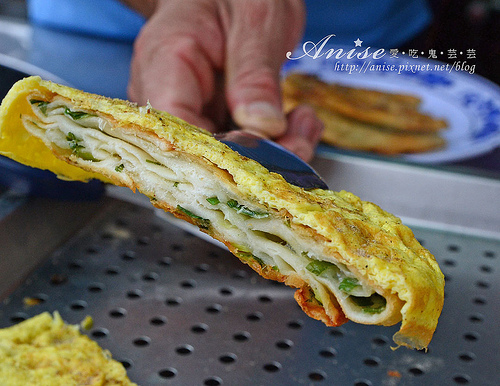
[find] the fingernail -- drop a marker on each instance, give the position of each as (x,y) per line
(262,116)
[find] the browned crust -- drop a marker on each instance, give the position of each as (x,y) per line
(376,108)
(375,98)
(305,297)
(349,134)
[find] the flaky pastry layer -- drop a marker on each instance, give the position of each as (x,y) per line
(349,259)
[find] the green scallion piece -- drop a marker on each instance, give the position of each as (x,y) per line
(232,204)
(313,298)
(374,304)
(203,223)
(258,260)
(77,149)
(348,284)
(76,114)
(213,200)
(246,211)
(74,142)
(153,162)
(318,267)
(42,105)
(85,155)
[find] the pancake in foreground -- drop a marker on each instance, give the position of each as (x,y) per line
(348,258)
(44,351)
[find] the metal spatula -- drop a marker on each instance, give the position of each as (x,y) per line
(273,157)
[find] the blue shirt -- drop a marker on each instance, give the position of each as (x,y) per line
(382,23)
(107,18)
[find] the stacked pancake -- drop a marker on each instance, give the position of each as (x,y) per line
(348,258)
(364,119)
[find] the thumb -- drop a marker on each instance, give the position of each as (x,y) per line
(254,99)
(258,36)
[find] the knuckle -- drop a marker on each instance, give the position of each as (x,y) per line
(184,47)
(259,77)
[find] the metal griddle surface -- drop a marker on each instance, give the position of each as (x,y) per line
(177,310)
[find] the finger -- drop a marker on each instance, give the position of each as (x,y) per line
(255,50)
(173,67)
(304,132)
(170,82)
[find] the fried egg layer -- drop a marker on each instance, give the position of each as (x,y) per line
(44,350)
(182,167)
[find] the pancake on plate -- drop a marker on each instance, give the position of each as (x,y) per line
(365,119)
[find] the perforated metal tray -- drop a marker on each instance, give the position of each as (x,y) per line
(177,310)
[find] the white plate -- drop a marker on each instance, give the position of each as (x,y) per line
(470,103)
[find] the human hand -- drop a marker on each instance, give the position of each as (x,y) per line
(205,60)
